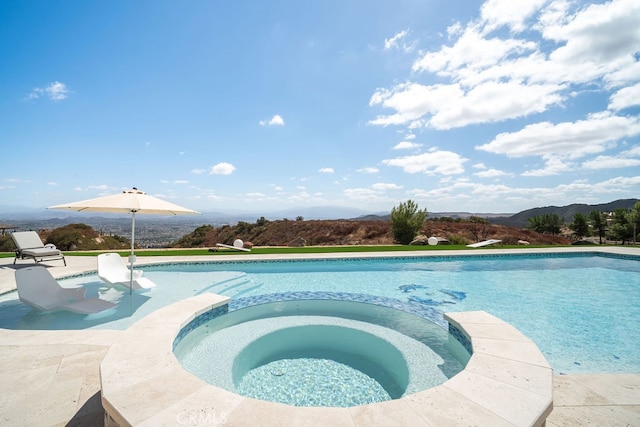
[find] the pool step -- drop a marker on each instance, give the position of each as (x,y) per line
(235,285)
(245,290)
(232,284)
(226,282)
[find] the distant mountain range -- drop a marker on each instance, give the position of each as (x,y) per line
(521,219)
(29,218)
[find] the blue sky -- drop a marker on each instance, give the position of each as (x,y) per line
(495,106)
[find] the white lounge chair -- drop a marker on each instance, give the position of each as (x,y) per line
(238,245)
(38,288)
(484,243)
(29,245)
(113,270)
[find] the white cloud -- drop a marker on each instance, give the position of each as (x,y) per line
(472,49)
(491,173)
(495,101)
(625,159)
(625,97)
(368,170)
(102,187)
(276,120)
(198,171)
(222,168)
(463,191)
(326,170)
(433,162)
(554,165)
(383,186)
(393,41)
(412,101)
(610,162)
(52,183)
(398,41)
(406,145)
(366,195)
(450,106)
(567,139)
(487,76)
(180,181)
(599,33)
(496,13)
(55,91)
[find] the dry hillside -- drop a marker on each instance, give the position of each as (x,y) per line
(354,232)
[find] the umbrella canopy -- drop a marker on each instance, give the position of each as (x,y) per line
(131,202)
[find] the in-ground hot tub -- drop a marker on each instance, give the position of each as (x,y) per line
(324,352)
(507,381)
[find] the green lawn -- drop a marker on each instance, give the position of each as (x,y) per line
(291,250)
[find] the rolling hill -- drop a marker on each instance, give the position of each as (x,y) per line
(521,219)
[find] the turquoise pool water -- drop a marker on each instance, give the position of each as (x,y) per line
(319,352)
(581,310)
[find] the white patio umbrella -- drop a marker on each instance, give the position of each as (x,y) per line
(131,201)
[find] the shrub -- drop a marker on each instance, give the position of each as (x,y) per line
(406,221)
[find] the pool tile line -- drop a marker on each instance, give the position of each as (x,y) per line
(355,257)
(412,308)
(409,307)
(200,320)
(461,337)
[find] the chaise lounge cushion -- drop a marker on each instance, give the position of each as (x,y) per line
(29,245)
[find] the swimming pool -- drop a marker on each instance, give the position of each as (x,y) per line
(580,309)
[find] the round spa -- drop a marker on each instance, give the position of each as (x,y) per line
(334,353)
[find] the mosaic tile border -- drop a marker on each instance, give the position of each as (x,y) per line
(431,257)
(199,321)
(461,337)
(416,309)
(419,310)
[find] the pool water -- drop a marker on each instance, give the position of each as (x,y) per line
(311,382)
(581,310)
(319,352)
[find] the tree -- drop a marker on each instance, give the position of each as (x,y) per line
(553,223)
(579,226)
(479,227)
(634,217)
(406,221)
(547,223)
(536,224)
(621,227)
(598,223)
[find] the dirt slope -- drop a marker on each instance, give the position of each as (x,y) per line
(355,232)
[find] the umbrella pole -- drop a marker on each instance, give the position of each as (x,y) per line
(132,257)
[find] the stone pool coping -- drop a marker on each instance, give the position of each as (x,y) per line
(506,382)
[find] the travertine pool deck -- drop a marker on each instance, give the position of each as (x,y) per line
(51,378)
